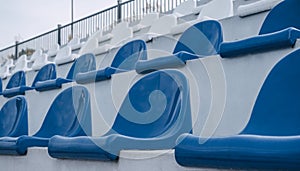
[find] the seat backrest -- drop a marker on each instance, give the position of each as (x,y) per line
(129,54)
(9,63)
(69,114)
(203,38)
(277,108)
(53,50)
(217,9)
(282,16)
(163,25)
(148,19)
(47,72)
(40,62)
(74,41)
(4,71)
(21,64)
(120,33)
(156,105)
(16,80)
(13,118)
(185,8)
(38,53)
(84,63)
(89,46)
(63,53)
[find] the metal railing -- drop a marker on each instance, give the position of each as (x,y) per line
(131,10)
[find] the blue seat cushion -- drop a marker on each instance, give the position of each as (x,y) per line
(103,148)
(51,84)
(15,91)
(173,61)
(239,152)
(98,75)
(277,40)
(67,148)
(19,145)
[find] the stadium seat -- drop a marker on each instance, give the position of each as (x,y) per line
(201,40)
(13,121)
(256,7)
(155,111)
(270,140)
(146,21)
(16,85)
(83,64)
(4,72)
(162,26)
(279,30)
(21,64)
(69,115)
(53,50)
(184,8)
(120,33)
(47,72)
(206,11)
(36,54)
(65,55)
(40,61)
(124,60)
(75,44)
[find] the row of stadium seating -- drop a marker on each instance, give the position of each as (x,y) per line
(156,112)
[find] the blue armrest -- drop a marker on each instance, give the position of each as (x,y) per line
(174,61)
(239,152)
(16,91)
(8,145)
(51,84)
(19,145)
(99,75)
(64,148)
(281,39)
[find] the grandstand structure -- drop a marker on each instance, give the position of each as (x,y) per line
(157,85)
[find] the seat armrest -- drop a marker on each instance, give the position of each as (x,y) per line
(50,84)
(277,40)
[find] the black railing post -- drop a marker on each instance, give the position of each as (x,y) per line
(59,34)
(119,11)
(72,18)
(16,50)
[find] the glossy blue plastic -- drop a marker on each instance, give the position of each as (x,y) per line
(200,40)
(16,85)
(280,29)
(82,64)
(282,16)
(69,115)
(125,60)
(13,121)
(47,72)
(271,138)
(154,113)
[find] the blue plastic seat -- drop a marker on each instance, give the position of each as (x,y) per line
(154,113)
(82,64)
(200,40)
(125,60)
(47,72)
(270,140)
(280,29)
(13,121)
(16,85)
(69,115)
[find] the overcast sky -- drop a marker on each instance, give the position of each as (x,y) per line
(29,18)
